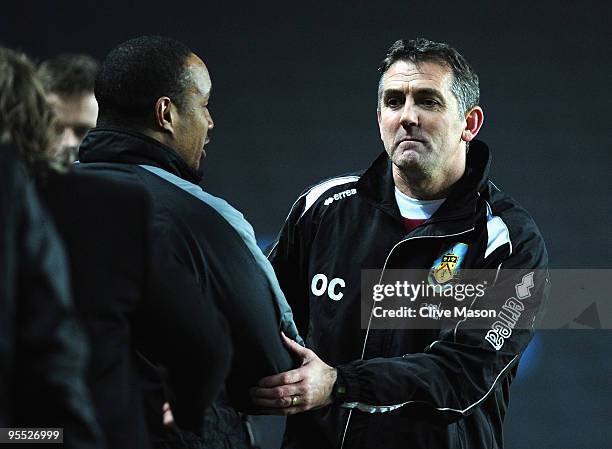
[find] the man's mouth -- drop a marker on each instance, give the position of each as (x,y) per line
(409,139)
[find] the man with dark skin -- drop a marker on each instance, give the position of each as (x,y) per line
(153,125)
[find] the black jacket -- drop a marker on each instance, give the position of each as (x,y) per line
(418,388)
(132,297)
(43,352)
(217,245)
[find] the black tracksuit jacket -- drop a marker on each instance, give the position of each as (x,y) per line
(131,297)
(215,243)
(444,388)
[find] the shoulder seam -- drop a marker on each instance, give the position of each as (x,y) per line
(333,181)
(316,191)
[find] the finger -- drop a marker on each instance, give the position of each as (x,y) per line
(276,392)
(283,402)
(298,349)
(288,377)
(168,418)
(294,410)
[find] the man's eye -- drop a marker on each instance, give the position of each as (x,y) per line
(80,131)
(393,102)
(430,102)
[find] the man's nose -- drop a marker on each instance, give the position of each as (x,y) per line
(69,138)
(409,115)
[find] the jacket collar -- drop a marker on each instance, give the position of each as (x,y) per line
(376,185)
(130,147)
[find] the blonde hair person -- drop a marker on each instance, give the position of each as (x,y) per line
(26,119)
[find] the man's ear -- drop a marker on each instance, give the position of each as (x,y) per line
(164,110)
(473,123)
(378,119)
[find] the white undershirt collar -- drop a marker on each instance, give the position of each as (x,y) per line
(416,209)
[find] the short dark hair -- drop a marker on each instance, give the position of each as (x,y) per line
(465,81)
(25,116)
(138,72)
(69,74)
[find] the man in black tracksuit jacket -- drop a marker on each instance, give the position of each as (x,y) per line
(153,124)
(404,388)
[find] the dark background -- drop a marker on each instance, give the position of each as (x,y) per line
(294,98)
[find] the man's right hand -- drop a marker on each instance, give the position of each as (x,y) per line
(305,388)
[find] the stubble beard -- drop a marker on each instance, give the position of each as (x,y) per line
(413,165)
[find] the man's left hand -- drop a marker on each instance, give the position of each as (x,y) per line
(305,388)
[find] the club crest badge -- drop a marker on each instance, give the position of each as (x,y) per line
(446,267)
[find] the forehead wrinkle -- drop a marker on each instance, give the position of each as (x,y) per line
(402,78)
(405,72)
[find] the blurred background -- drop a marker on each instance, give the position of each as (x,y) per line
(294,101)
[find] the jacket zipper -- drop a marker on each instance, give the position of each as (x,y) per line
(365,340)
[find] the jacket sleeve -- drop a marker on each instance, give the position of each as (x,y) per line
(177,327)
(458,371)
(286,256)
(51,351)
(183,330)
